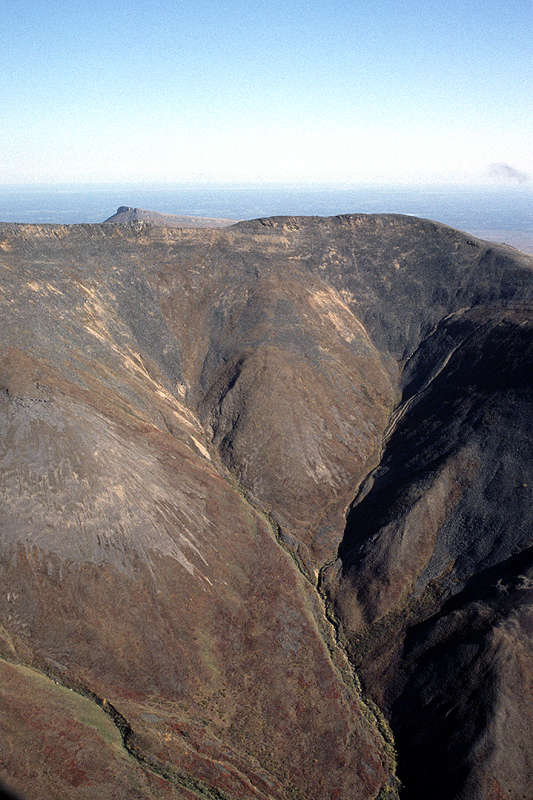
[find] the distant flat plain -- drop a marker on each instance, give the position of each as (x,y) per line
(494,212)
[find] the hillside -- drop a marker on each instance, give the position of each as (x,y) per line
(266,503)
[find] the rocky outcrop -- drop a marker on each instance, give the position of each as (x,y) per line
(238,464)
(126,215)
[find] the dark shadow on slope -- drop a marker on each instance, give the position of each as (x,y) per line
(5,794)
(481,394)
(437,658)
(452,670)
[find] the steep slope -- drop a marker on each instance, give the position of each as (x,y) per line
(186,417)
(132,568)
(434,587)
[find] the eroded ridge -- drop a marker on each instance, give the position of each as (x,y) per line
(176,404)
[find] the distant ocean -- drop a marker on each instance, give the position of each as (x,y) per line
(499,213)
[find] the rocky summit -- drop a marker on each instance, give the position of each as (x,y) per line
(266,526)
(126,215)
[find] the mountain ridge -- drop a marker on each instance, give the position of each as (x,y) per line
(354,389)
(127,214)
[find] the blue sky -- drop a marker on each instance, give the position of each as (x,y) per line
(274,90)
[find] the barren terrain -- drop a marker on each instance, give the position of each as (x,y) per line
(266,511)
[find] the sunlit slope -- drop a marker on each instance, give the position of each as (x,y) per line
(186,417)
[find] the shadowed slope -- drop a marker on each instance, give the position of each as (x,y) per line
(448,515)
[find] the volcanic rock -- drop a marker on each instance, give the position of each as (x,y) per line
(126,214)
(238,464)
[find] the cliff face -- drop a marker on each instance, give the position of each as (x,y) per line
(187,417)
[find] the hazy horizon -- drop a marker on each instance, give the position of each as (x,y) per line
(498,213)
(282,91)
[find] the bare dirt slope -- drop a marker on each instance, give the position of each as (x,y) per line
(187,416)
